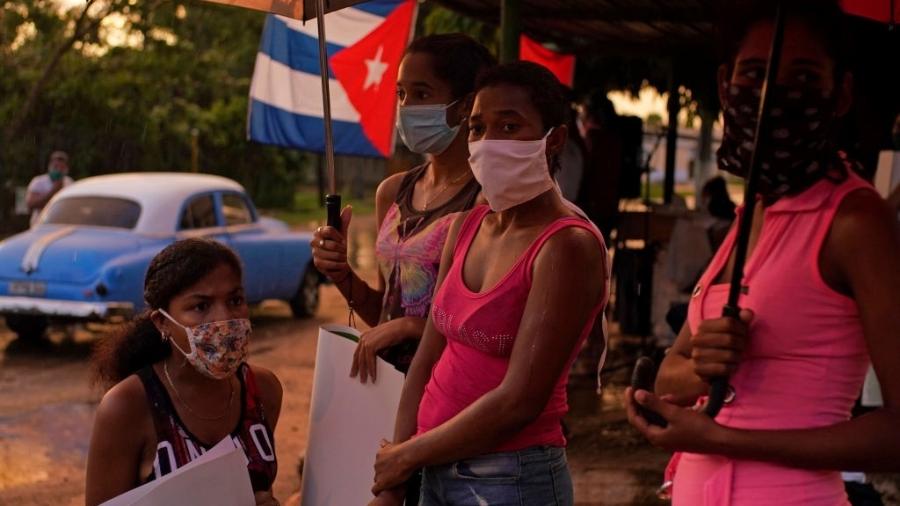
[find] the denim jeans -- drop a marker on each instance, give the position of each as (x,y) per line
(536,476)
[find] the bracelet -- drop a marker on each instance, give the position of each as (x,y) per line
(341,282)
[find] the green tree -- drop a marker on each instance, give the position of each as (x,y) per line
(133,106)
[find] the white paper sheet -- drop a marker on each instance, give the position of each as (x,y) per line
(887,174)
(347,420)
(219,477)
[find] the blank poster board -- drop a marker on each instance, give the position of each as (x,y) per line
(347,421)
(219,477)
(887,176)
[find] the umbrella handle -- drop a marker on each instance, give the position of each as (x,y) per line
(718,387)
(333,208)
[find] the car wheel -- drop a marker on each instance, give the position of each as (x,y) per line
(28,327)
(306,300)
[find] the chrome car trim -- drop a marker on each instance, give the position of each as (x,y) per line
(32,257)
(235,229)
(209,232)
(67,308)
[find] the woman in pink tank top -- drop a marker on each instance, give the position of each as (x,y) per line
(521,283)
(821,288)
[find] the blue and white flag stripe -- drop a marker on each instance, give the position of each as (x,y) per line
(268,87)
(283,128)
(285,94)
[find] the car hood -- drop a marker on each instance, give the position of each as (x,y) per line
(63,253)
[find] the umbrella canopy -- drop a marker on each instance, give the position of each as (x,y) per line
(297,9)
(636,27)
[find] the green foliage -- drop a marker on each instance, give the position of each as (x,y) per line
(436,19)
(133,107)
(306,210)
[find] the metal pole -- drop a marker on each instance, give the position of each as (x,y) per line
(719,386)
(333,200)
(510,29)
(326,94)
(671,139)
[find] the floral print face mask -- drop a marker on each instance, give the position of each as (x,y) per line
(217,348)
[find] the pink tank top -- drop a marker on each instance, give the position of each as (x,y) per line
(481,329)
(805,361)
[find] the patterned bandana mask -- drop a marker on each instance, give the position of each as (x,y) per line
(798,151)
(217,348)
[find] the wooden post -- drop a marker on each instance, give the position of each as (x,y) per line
(510,29)
(671,139)
(704,153)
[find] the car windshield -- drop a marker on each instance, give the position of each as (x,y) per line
(94,211)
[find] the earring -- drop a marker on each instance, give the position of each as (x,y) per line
(165,338)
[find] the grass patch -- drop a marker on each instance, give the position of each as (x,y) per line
(307,210)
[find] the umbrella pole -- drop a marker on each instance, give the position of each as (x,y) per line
(719,388)
(332,200)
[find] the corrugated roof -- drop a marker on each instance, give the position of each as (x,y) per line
(657,27)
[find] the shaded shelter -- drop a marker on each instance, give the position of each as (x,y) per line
(674,47)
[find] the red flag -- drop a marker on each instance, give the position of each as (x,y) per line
(885,11)
(562,65)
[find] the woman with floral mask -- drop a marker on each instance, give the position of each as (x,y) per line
(182,381)
(822,283)
(414,209)
(521,283)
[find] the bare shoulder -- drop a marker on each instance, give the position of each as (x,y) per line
(125,408)
(387,190)
(458,221)
(268,383)
(863,216)
(125,400)
(453,232)
(576,244)
(270,391)
(572,257)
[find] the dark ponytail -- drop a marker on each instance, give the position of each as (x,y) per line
(172,271)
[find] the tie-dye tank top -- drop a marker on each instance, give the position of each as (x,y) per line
(408,251)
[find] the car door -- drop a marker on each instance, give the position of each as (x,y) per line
(259,254)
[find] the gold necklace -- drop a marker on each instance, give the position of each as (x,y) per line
(194,413)
(448,184)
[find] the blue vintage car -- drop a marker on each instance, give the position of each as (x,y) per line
(86,257)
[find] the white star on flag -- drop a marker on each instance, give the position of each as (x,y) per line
(376,69)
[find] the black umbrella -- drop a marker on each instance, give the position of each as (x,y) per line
(719,388)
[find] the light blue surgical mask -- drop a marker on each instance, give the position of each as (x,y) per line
(424,128)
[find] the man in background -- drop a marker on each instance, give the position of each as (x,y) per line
(43,187)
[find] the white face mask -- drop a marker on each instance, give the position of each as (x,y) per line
(424,128)
(217,348)
(510,172)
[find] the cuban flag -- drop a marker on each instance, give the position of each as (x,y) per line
(365,46)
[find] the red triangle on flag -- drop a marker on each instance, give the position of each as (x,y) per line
(367,71)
